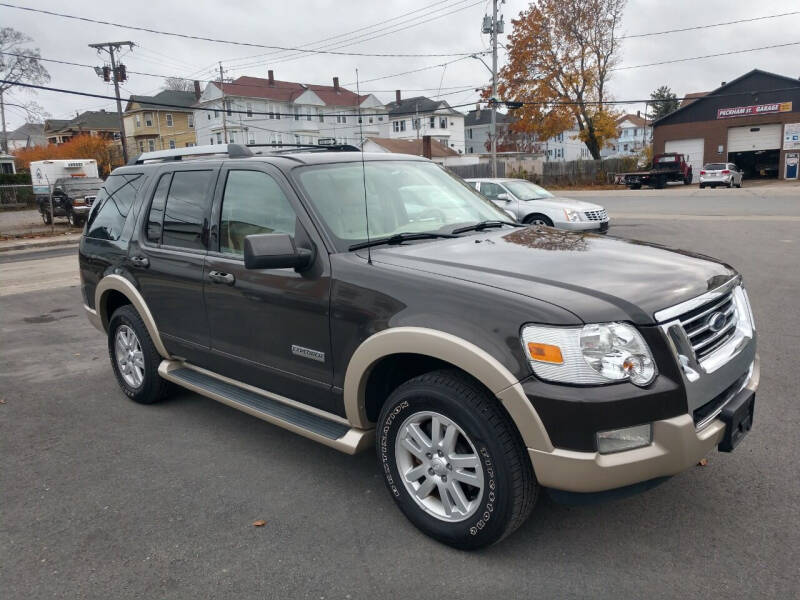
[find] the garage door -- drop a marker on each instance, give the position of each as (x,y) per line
(692,150)
(754,137)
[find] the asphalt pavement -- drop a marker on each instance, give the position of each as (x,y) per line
(104,498)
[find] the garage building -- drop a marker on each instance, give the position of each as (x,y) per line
(752,121)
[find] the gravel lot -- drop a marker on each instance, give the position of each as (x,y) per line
(103,498)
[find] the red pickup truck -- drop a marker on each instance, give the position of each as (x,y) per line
(669,166)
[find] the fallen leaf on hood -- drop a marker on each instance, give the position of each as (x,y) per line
(259,523)
(703,462)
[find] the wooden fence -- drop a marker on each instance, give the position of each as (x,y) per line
(585,172)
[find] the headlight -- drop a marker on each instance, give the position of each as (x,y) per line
(573,216)
(744,313)
(592,354)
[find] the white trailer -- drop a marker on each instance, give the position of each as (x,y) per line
(45,172)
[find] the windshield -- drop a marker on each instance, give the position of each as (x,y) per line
(525,190)
(714,167)
(403,197)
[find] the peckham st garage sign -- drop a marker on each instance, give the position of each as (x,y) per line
(756,109)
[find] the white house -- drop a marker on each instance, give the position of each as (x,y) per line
(414,117)
(634,134)
(268,111)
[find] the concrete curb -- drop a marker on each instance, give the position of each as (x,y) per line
(31,244)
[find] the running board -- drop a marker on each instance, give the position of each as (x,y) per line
(309,422)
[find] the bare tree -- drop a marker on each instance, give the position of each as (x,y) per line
(17,64)
(178,84)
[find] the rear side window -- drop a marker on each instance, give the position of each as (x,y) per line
(253,203)
(113,203)
(155,217)
(186,212)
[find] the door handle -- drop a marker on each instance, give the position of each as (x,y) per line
(219,277)
(140,261)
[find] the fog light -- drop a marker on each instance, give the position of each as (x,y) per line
(628,438)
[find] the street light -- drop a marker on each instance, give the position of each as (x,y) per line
(493,105)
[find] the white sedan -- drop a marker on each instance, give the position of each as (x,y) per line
(531,203)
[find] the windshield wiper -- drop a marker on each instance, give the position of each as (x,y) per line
(483,225)
(399,238)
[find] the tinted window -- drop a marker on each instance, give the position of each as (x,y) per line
(156,215)
(187,209)
(714,167)
(113,203)
(253,203)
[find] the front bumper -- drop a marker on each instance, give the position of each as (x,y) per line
(677,445)
(81,209)
(583,225)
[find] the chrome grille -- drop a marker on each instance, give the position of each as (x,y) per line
(596,215)
(705,330)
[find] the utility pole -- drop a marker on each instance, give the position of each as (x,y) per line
(119,74)
(224,108)
(4,145)
(493,27)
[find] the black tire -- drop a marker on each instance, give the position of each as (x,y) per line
(510,487)
(688,179)
(702,186)
(532,219)
(635,186)
(74,220)
(46,217)
(741,182)
(153,388)
(661,182)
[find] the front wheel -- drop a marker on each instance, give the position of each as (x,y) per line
(538,219)
(134,357)
(74,220)
(453,460)
(47,217)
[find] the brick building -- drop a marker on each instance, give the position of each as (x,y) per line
(752,121)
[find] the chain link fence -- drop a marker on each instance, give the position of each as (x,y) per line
(16,196)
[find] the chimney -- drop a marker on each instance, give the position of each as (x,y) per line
(271,77)
(336,84)
(397,96)
(427,151)
(477,109)
(197,90)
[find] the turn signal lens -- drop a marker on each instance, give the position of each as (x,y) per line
(545,353)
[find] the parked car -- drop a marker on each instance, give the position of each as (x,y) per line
(483,359)
(72,198)
(727,174)
(532,204)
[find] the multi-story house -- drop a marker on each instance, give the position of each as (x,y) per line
(477,129)
(252,110)
(92,122)
(413,118)
(634,134)
(150,125)
(28,135)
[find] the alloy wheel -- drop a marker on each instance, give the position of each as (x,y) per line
(128,353)
(439,466)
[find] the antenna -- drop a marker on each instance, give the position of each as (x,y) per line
(363,166)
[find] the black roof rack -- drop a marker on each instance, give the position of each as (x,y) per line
(308,147)
(228,150)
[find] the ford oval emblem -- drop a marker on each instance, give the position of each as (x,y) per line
(716,321)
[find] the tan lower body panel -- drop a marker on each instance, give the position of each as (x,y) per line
(676,446)
(352,442)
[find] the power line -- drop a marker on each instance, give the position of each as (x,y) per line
(400,114)
(231,42)
(368,36)
(677,60)
(320,41)
(641,35)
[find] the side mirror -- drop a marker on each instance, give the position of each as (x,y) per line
(505,197)
(275,251)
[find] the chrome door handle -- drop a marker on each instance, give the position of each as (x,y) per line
(140,261)
(219,277)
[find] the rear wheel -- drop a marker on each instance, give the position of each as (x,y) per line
(635,186)
(702,186)
(46,217)
(661,182)
(453,460)
(134,357)
(741,182)
(538,219)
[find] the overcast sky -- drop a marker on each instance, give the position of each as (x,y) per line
(456,30)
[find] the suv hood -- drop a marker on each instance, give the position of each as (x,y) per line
(596,277)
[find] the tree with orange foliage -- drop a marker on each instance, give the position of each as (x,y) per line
(99,148)
(560,55)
